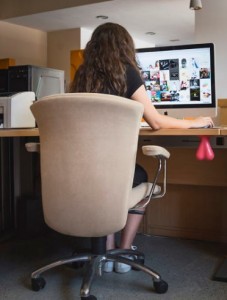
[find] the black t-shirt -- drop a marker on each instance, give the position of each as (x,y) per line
(134,81)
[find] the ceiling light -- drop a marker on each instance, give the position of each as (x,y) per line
(102,17)
(150,33)
(195,4)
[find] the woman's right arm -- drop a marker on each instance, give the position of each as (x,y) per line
(158,121)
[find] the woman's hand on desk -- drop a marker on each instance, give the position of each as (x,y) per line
(202,122)
(157,121)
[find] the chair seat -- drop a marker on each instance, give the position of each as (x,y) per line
(141,192)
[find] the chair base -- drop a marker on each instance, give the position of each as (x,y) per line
(94,266)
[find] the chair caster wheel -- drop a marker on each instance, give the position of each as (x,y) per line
(38,283)
(91,297)
(160,287)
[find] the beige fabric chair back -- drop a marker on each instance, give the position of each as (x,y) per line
(88,153)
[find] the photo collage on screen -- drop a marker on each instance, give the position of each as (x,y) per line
(181,80)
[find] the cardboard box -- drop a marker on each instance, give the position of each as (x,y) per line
(5,63)
(222,105)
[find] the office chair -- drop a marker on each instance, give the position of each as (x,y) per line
(88,146)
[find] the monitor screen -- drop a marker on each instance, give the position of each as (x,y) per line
(180,80)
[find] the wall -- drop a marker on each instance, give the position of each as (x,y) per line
(60,43)
(35,47)
(84,38)
(210,24)
(25,45)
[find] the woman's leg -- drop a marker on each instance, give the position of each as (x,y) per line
(129,232)
(110,242)
(127,237)
(134,218)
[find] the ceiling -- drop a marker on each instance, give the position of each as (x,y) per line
(171,20)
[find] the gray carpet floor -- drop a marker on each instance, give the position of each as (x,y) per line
(187,266)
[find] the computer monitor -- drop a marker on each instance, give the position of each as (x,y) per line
(180,80)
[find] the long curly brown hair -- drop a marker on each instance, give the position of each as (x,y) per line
(106,56)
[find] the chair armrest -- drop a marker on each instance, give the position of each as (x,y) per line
(162,155)
(148,191)
(32,147)
(155,151)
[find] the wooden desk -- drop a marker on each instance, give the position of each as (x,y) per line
(223,131)
(195,205)
(182,132)
(193,186)
(143,132)
(19,132)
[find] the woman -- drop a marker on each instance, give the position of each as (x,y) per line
(110,67)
